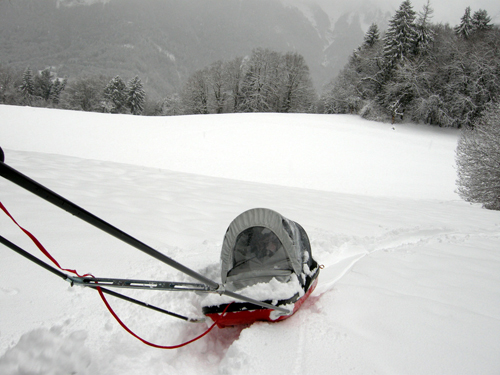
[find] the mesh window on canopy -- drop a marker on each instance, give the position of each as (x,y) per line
(258,250)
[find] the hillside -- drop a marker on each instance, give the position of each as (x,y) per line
(166,40)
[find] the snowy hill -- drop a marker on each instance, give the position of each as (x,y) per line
(411,283)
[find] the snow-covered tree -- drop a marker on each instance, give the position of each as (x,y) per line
(260,86)
(400,40)
(172,106)
(86,94)
(481,21)
(465,28)
(234,72)
(58,86)
(343,94)
(424,30)
(10,92)
(478,160)
(217,82)
(43,84)
(116,95)
(297,91)
(27,87)
(195,95)
(136,96)
(372,36)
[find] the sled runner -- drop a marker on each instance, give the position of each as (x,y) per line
(267,270)
(268,257)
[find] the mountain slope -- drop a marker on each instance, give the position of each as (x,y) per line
(164,41)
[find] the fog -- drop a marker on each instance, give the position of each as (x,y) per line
(445,11)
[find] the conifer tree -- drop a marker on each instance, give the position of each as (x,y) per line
(116,95)
(372,35)
(401,38)
(43,84)
(481,21)
(27,87)
(425,33)
(57,87)
(466,27)
(136,96)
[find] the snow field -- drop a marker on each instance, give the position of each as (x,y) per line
(411,277)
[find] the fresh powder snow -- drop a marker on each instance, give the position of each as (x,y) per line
(411,278)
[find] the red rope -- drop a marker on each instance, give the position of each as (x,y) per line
(39,245)
(149,343)
(47,254)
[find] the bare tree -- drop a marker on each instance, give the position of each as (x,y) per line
(260,87)
(297,88)
(478,160)
(216,80)
(234,72)
(195,95)
(86,94)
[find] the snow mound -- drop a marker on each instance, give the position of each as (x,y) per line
(48,351)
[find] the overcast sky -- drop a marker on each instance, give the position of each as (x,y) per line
(445,11)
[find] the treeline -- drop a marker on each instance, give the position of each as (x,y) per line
(414,71)
(421,72)
(265,81)
(95,94)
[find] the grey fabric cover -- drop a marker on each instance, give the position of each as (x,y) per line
(263,217)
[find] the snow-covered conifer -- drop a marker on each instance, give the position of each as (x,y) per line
(57,87)
(481,21)
(465,28)
(27,87)
(116,95)
(372,35)
(401,38)
(136,96)
(43,84)
(425,33)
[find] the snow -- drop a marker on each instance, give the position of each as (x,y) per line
(411,278)
(272,290)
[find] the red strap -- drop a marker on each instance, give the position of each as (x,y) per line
(149,343)
(39,245)
(47,254)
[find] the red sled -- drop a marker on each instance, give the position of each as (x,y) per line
(267,257)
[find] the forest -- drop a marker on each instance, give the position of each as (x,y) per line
(414,71)
(421,72)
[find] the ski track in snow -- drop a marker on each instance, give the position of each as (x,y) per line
(403,239)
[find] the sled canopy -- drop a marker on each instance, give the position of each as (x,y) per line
(260,244)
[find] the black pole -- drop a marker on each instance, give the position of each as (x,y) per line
(65,277)
(33,258)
